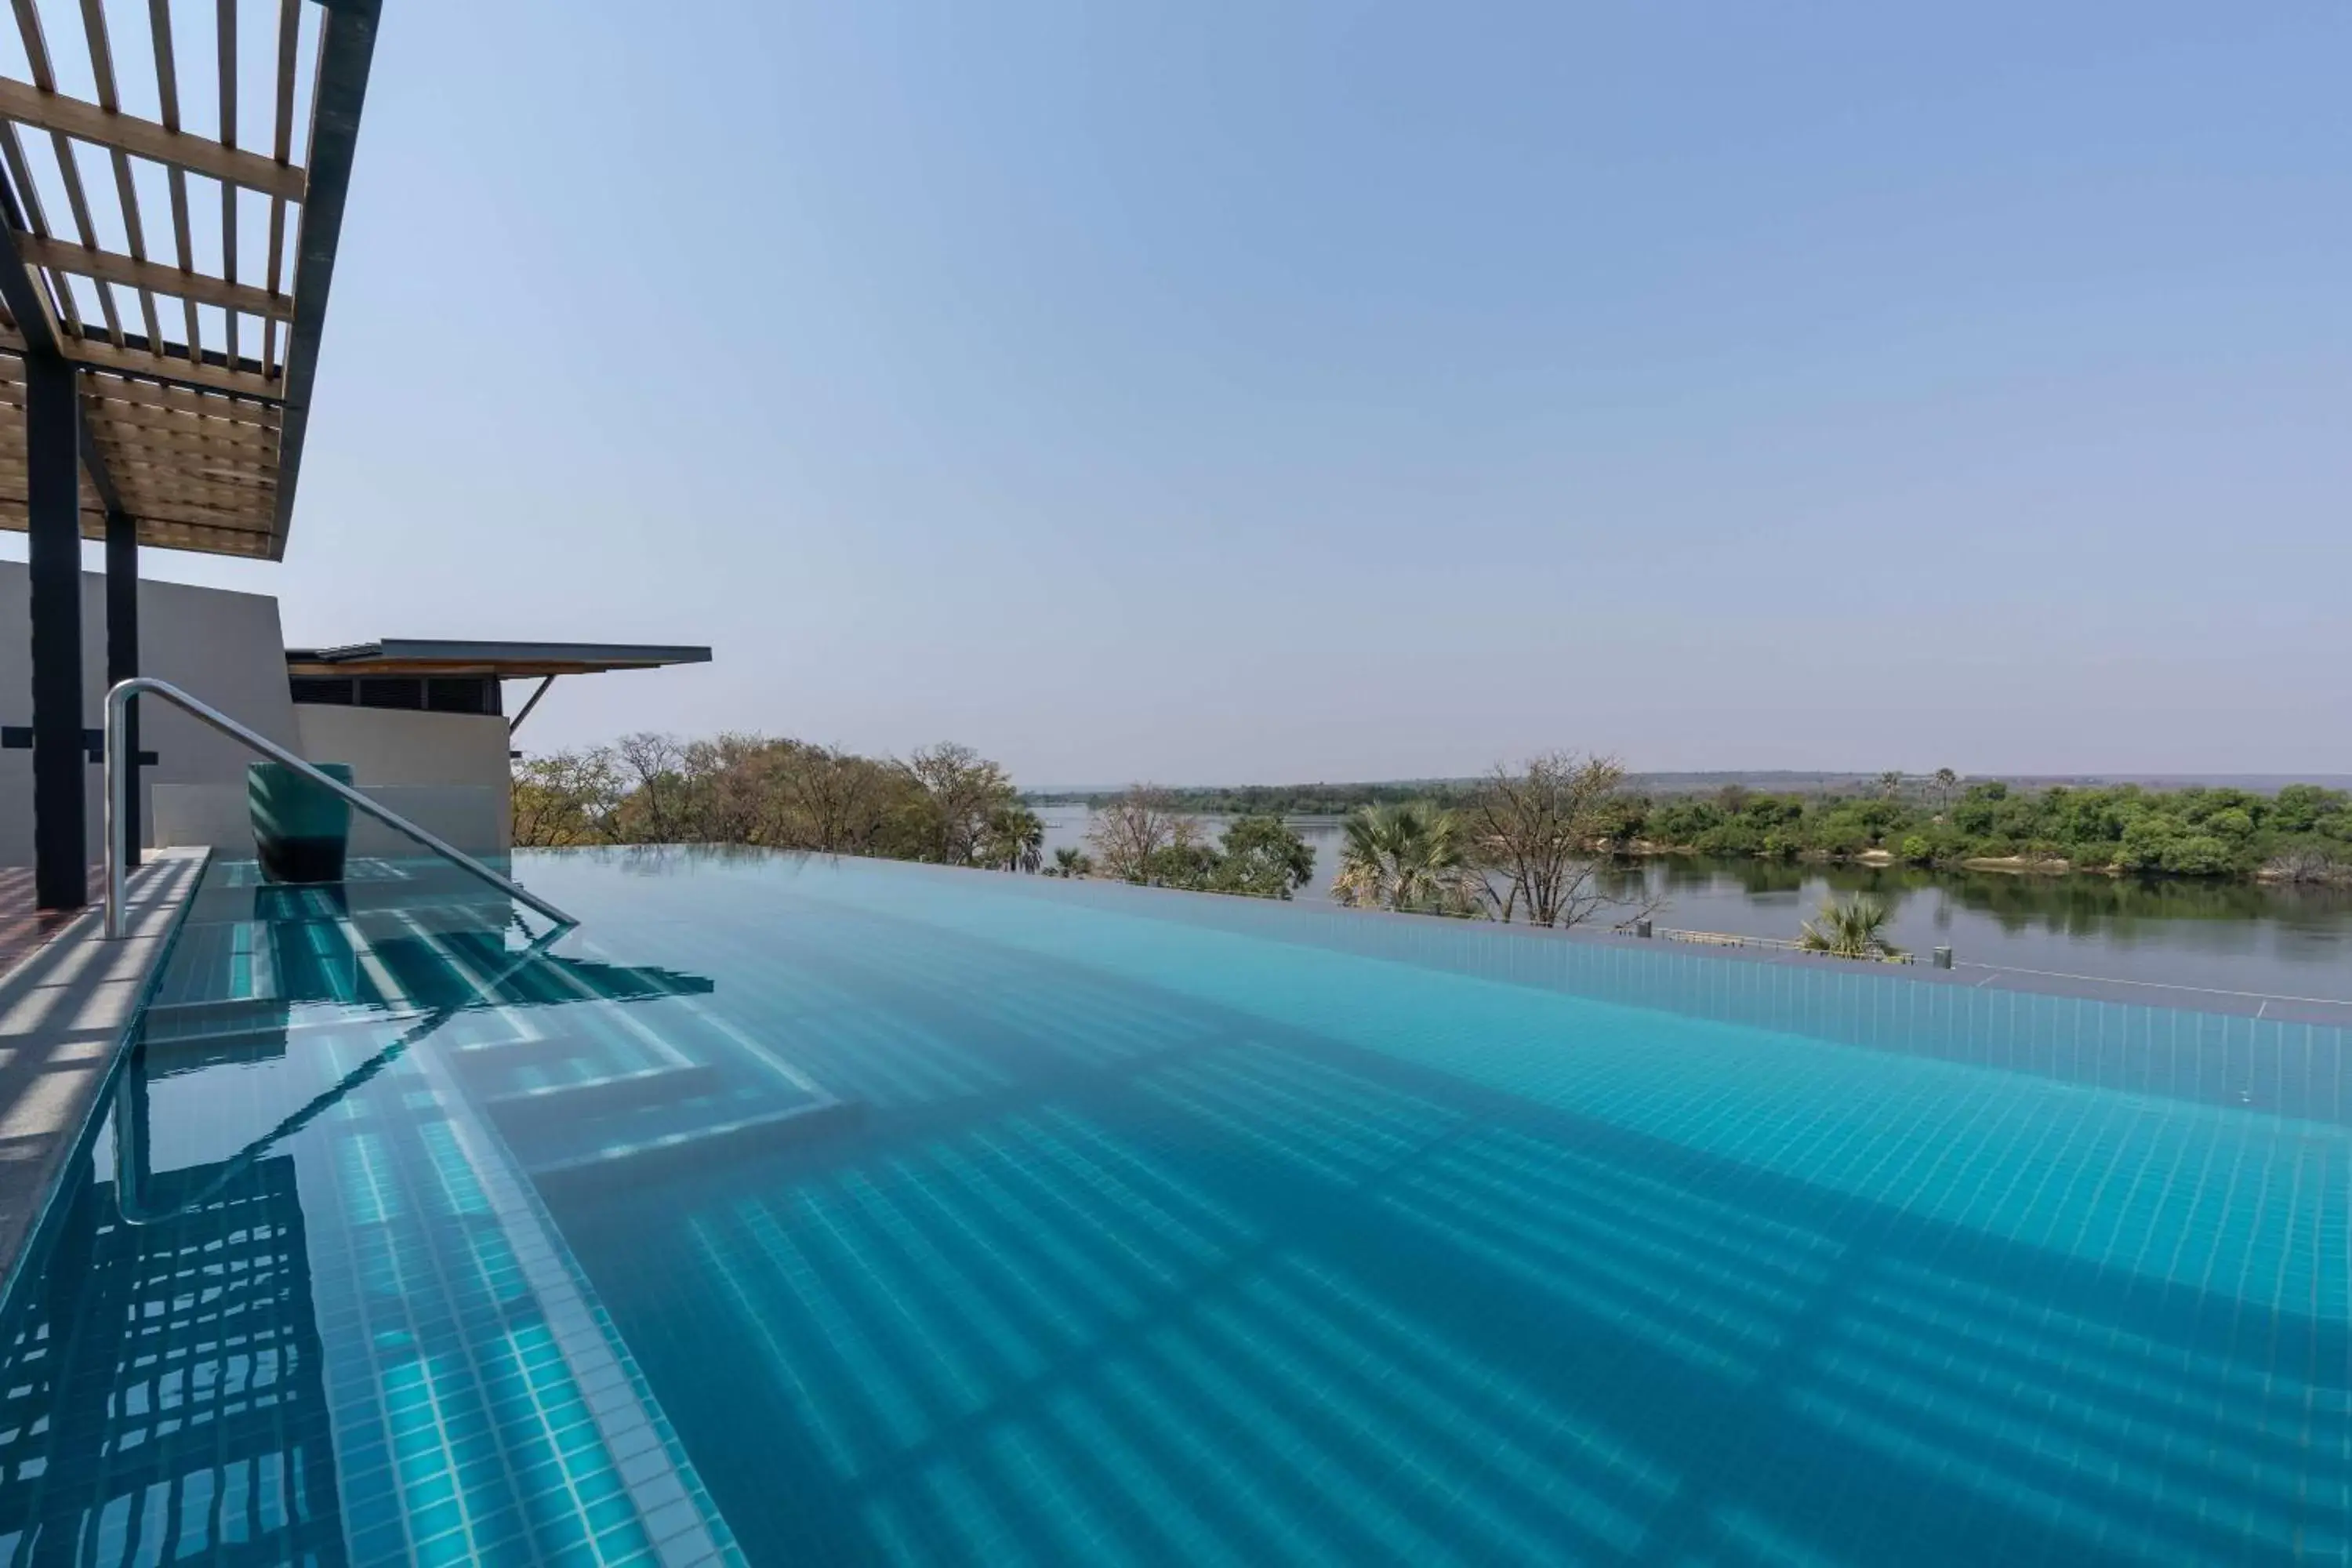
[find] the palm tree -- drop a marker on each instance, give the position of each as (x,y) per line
(1402,857)
(1856,929)
(1070,860)
(1946,780)
(1890,783)
(1014,840)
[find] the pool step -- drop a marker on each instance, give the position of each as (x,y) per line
(170,1022)
(566,1103)
(704,1145)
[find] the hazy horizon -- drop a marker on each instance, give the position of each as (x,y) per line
(1349,392)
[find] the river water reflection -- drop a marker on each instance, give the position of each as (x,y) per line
(2228,936)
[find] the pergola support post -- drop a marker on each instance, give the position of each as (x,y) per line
(122,656)
(53,560)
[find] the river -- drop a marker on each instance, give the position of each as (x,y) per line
(2226,936)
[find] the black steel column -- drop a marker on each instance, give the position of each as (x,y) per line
(122,654)
(53,554)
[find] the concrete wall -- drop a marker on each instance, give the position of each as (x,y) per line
(446,771)
(469,816)
(223,648)
(388,746)
(450,768)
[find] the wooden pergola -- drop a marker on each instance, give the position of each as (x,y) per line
(157,384)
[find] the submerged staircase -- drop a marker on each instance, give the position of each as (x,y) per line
(589,1071)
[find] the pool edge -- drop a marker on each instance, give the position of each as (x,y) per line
(107,988)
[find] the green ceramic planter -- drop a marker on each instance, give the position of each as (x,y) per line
(299,831)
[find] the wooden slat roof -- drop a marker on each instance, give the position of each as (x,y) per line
(196,345)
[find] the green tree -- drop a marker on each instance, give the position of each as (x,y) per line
(1890,783)
(1072,861)
(2298,807)
(1403,858)
(1946,780)
(1264,858)
(2232,823)
(1854,928)
(2196,855)
(2146,839)
(1014,839)
(1191,865)
(565,798)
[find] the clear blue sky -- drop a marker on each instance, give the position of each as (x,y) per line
(1237,392)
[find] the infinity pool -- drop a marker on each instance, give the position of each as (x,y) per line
(792,1211)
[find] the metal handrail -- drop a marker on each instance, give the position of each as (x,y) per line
(121,812)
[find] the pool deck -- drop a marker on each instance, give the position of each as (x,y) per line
(66,1008)
(24,924)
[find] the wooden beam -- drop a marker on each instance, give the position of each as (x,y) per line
(199,508)
(153,464)
(237,542)
(147,472)
(54,112)
(289,34)
(25,215)
(167,533)
(108,267)
(156,492)
(199,467)
(133,426)
(12,509)
(20,290)
(339,90)
(126,193)
(166,511)
(142,487)
(164,532)
(92,353)
(45,80)
(185,400)
(164,458)
(167,90)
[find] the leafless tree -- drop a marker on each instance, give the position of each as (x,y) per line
(650,762)
(1127,832)
(720,789)
(829,800)
(965,788)
(1539,833)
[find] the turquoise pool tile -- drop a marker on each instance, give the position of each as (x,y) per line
(909,1216)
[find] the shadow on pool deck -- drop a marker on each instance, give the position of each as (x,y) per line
(63,1012)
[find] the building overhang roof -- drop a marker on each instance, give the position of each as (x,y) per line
(503,660)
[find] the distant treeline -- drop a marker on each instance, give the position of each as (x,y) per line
(1454,846)
(1280,799)
(1339,799)
(2302,833)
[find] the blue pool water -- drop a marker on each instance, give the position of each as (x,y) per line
(792,1211)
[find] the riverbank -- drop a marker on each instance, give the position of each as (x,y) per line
(2331,874)
(2278,939)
